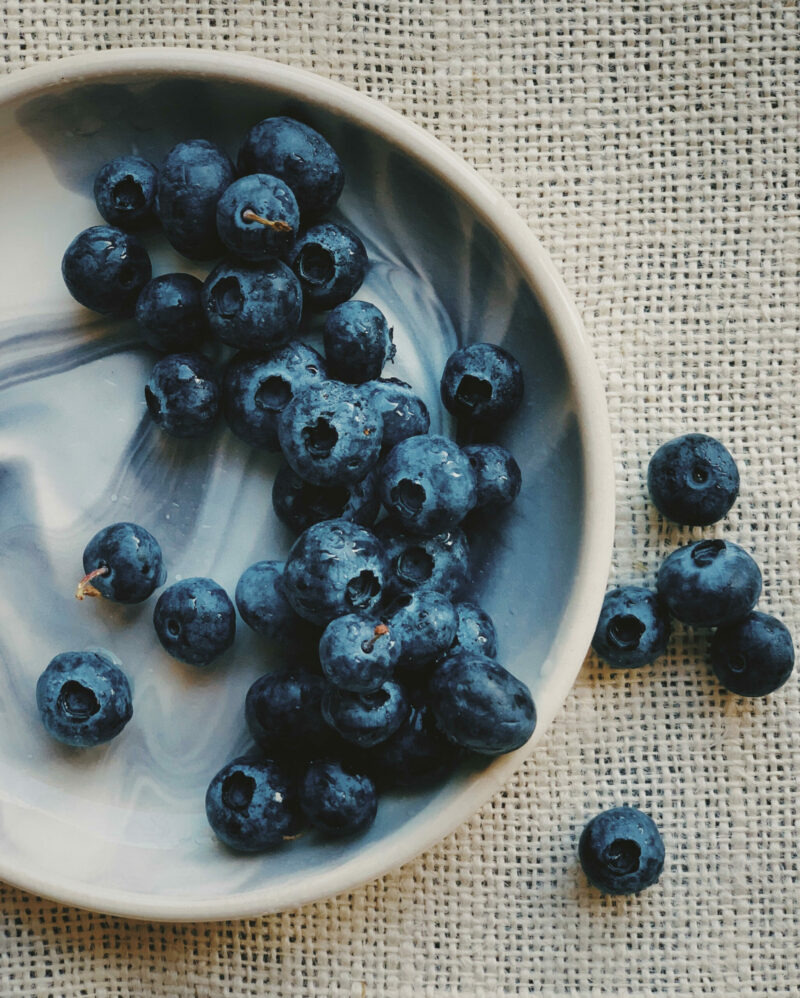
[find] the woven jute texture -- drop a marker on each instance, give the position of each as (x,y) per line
(653,148)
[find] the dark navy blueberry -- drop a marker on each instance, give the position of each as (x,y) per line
(358,342)
(252,306)
(480,705)
(336,799)
(416,755)
(365,719)
(128,562)
(195,621)
(170,313)
(192,179)
(258,218)
(427,623)
(258,387)
(693,480)
(359,653)
(252,804)
(621,851)
(403,411)
(475,633)
(182,395)
(482,383)
(263,606)
(633,629)
(298,155)
(125,191)
(497,475)
(754,656)
(330,434)
(335,567)
(84,699)
(427,484)
(283,711)
(330,262)
(298,504)
(440,562)
(709,583)
(105,269)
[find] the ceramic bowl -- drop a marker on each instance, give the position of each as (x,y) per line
(122,828)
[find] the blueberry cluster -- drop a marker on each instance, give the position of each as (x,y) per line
(394,677)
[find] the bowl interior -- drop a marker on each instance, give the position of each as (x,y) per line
(123,826)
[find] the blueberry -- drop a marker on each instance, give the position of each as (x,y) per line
(170,313)
(258,387)
(754,656)
(335,567)
(709,583)
(263,606)
(105,269)
(123,563)
(416,755)
(195,621)
(125,191)
(479,705)
(427,623)
(283,712)
(403,411)
(298,504)
(252,306)
(182,395)
(258,218)
(252,805)
(298,155)
(621,851)
(330,262)
(336,799)
(365,719)
(359,653)
(358,342)
(693,480)
(497,475)
(440,562)
(633,629)
(330,434)
(482,383)
(84,699)
(427,484)
(192,179)
(475,633)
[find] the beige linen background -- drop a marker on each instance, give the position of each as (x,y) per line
(652,147)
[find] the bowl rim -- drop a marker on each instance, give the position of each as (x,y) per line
(580,615)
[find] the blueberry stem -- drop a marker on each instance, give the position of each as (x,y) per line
(280,226)
(85,588)
(379,630)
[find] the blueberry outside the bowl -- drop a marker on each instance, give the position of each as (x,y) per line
(195,621)
(754,656)
(125,191)
(633,628)
(693,479)
(621,851)
(125,563)
(105,269)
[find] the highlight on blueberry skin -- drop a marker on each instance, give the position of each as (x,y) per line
(105,269)
(330,262)
(182,395)
(709,583)
(365,719)
(252,805)
(263,606)
(480,705)
(621,851)
(170,315)
(475,633)
(693,480)
(403,411)
(359,653)
(754,656)
(258,218)
(482,383)
(84,698)
(300,156)
(336,799)
(123,562)
(441,562)
(298,504)
(633,629)
(358,342)
(195,621)
(283,712)
(125,191)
